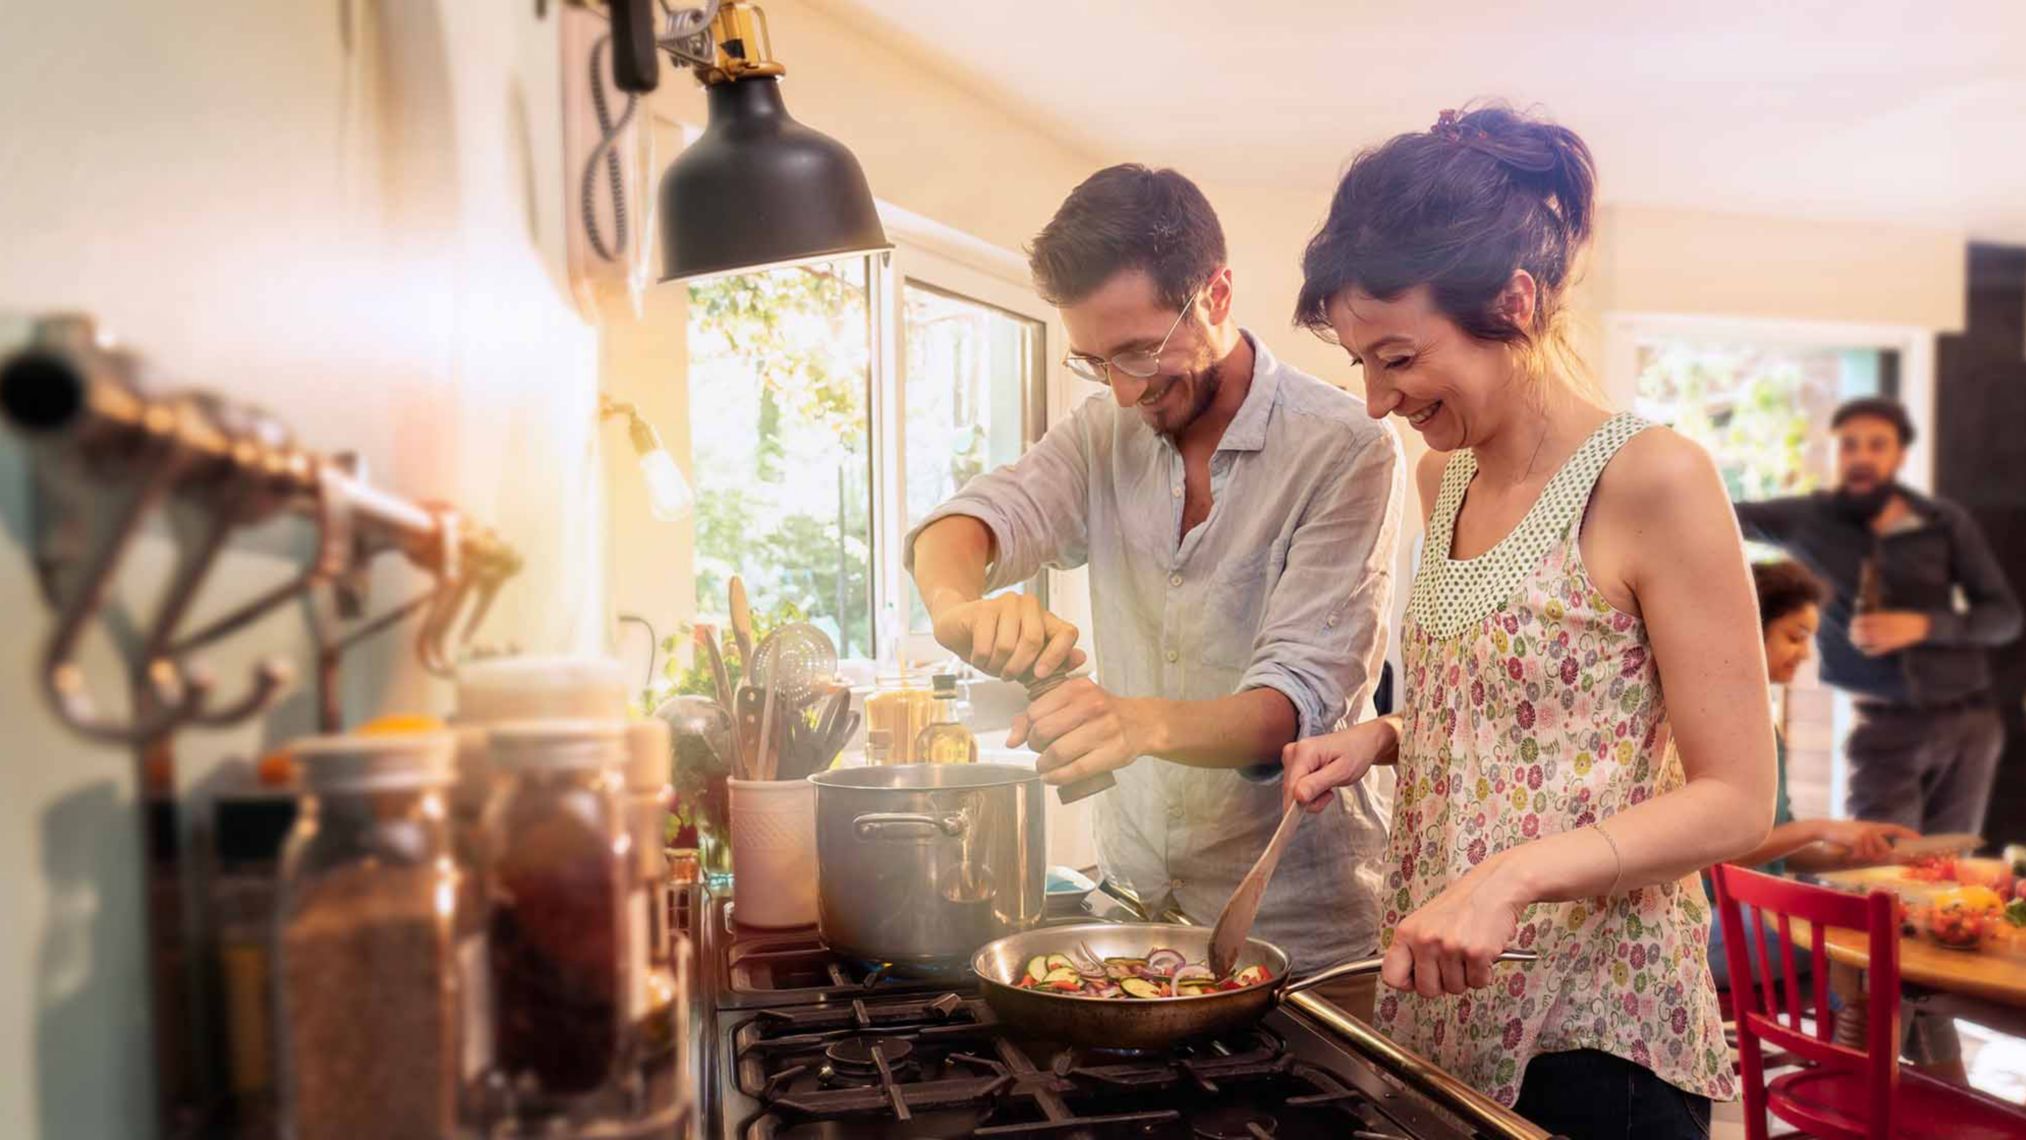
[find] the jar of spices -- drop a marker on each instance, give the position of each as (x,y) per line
(561,865)
(368,998)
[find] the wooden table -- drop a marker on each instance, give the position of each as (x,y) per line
(1985,987)
(1984,975)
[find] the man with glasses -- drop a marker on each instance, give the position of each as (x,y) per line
(1239,519)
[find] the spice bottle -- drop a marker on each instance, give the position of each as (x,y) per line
(946,740)
(249,828)
(368,1002)
(654,1043)
(561,864)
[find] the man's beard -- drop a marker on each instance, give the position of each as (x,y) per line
(1202,393)
(1863,506)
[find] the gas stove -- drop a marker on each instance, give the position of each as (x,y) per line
(799,1044)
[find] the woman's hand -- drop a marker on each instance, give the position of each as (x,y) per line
(1867,842)
(1449,945)
(1311,768)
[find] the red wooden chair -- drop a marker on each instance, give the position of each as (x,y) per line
(1841,1092)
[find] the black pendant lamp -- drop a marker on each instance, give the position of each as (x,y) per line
(758,189)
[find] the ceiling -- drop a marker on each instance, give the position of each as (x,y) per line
(1891,110)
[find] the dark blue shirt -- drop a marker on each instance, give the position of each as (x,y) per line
(1940,566)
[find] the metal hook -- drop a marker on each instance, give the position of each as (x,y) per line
(63,680)
(453,585)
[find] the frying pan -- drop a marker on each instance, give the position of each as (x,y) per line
(1142,1023)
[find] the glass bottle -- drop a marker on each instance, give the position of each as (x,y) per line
(1870,586)
(945,740)
(561,864)
(249,829)
(878,748)
(368,999)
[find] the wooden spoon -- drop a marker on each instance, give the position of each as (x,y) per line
(742,626)
(1234,923)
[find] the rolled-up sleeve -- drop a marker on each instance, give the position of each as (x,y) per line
(1324,633)
(1036,507)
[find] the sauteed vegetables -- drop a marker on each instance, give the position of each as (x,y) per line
(1163,973)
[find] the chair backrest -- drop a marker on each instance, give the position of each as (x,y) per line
(1756,1000)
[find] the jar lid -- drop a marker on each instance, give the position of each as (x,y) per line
(518,746)
(650,753)
(534,688)
(361,763)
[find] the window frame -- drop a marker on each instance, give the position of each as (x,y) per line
(936,257)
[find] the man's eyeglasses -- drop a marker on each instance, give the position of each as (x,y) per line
(1138,363)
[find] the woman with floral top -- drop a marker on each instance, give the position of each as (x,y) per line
(1582,601)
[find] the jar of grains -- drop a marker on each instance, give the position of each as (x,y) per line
(368,1003)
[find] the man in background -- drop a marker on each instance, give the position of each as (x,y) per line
(1918,601)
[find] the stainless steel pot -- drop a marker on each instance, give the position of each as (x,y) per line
(921,864)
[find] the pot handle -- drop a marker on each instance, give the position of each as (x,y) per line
(1371,966)
(909,825)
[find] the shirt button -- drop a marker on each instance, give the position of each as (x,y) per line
(1176,490)
(1333,620)
(1174,884)
(1174,579)
(1175,811)
(1173,657)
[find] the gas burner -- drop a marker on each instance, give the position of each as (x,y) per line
(1233,1124)
(860,1058)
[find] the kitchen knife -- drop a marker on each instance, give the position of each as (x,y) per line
(1956,844)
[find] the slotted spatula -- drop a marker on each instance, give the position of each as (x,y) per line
(1234,923)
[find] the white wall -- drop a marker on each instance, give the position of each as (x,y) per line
(361,236)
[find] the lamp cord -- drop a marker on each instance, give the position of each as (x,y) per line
(653,643)
(606,153)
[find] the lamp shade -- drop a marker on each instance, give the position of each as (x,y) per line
(759,189)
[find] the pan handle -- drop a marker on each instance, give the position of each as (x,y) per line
(913,825)
(1371,966)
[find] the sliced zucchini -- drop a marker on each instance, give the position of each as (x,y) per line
(1060,962)
(1037,967)
(1064,976)
(1140,988)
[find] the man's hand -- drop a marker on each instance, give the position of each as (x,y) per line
(1009,636)
(1082,730)
(1867,842)
(1876,635)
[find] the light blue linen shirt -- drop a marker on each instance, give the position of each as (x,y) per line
(1286,586)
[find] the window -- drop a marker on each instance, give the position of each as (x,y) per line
(831,408)
(779,375)
(1762,410)
(972,375)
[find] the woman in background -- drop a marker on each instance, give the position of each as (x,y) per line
(1790,610)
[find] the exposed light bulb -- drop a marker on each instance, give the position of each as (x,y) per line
(669,498)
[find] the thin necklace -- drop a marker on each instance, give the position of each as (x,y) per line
(1536,456)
